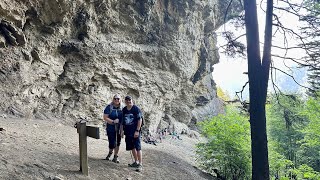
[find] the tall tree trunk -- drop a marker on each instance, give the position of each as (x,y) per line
(258,73)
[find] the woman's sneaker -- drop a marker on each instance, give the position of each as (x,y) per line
(134,164)
(115,159)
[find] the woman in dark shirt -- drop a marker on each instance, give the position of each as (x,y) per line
(113,118)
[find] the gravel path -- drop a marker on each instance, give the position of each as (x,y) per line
(38,149)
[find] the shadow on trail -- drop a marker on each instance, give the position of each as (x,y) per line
(156,165)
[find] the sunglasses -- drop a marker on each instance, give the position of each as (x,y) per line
(116,98)
(128,99)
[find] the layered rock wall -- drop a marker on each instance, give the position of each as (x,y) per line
(65,59)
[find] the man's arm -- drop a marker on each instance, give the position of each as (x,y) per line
(137,132)
(122,124)
(139,125)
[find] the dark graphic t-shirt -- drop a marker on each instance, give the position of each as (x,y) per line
(130,119)
(113,113)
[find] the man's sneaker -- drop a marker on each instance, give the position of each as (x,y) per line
(139,168)
(134,164)
(108,157)
(115,159)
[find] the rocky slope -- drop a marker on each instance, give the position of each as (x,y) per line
(65,59)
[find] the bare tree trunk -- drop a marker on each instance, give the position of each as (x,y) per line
(258,73)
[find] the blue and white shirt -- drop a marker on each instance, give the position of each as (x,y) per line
(130,119)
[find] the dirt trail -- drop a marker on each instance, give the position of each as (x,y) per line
(37,149)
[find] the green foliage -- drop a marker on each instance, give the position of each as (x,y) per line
(285,123)
(312,130)
(306,172)
(310,148)
(228,145)
(313,5)
(309,29)
(294,143)
(279,165)
(294,140)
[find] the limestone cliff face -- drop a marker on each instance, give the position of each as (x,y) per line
(65,59)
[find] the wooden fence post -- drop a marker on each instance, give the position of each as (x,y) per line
(83,148)
(85,131)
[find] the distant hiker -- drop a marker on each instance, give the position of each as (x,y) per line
(132,121)
(160,135)
(149,139)
(113,117)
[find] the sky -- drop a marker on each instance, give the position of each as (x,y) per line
(228,73)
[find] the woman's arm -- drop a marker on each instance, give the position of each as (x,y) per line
(107,119)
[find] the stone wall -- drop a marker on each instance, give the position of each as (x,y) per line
(65,59)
